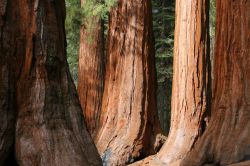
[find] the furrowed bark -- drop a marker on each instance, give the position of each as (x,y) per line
(191,82)
(226,140)
(50,128)
(129,122)
(191,90)
(91,71)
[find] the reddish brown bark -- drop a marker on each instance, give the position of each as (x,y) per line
(49,127)
(91,71)
(129,122)
(191,79)
(244,163)
(191,82)
(226,140)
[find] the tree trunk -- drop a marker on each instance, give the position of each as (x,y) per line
(226,140)
(91,71)
(129,122)
(9,44)
(49,127)
(191,82)
(191,90)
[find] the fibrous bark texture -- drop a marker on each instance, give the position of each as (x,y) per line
(226,140)
(8,44)
(49,127)
(244,163)
(191,82)
(91,71)
(129,122)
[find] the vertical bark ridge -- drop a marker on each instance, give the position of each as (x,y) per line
(226,140)
(91,71)
(191,82)
(49,127)
(129,121)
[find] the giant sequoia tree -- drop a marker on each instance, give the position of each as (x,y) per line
(91,70)
(129,122)
(226,140)
(191,89)
(191,81)
(49,127)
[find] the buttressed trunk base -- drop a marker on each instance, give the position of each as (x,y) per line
(191,83)
(129,121)
(226,140)
(49,128)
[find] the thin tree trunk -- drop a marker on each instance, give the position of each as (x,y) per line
(226,140)
(129,122)
(91,71)
(49,127)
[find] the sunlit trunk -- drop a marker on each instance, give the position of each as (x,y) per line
(191,90)
(129,123)
(226,140)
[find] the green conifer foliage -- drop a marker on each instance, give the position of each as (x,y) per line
(163,22)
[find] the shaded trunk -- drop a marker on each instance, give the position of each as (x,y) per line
(7,111)
(191,81)
(9,47)
(129,122)
(91,71)
(49,127)
(226,140)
